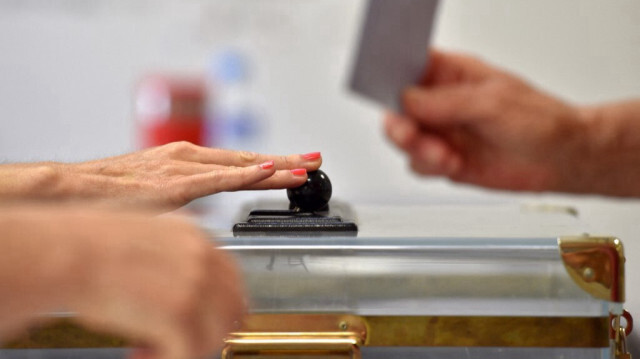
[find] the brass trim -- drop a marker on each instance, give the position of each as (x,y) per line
(596,264)
(445,330)
(277,335)
(63,333)
(343,332)
(334,345)
(457,331)
(308,323)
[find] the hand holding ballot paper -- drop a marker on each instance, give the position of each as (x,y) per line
(459,117)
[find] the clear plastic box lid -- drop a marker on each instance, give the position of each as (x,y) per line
(501,260)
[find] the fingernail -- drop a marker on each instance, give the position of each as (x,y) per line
(267,165)
(312,156)
(299,172)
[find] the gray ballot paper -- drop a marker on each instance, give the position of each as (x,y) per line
(393,49)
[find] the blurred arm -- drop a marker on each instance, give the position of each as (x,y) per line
(158,282)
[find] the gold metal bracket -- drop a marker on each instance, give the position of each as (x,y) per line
(621,351)
(596,264)
(272,335)
(619,334)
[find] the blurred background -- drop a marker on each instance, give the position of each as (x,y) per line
(82,79)
(79,76)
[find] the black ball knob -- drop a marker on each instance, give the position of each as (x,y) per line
(313,195)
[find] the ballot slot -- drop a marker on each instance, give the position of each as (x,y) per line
(334,221)
(308,213)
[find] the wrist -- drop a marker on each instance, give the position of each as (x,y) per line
(34,181)
(612,154)
(593,138)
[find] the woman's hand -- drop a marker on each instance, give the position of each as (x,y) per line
(166,177)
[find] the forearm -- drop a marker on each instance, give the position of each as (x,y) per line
(614,148)
(39,264)
(52,181)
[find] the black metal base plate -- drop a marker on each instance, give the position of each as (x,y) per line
(274,219)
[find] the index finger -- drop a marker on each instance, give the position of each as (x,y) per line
(449,68)
(207,155)
(309,161)
(447,105)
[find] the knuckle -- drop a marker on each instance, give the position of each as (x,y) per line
(176,191)
(247,156)
(228,180)
(498,96)
(179,148)
(218,177)
(288,161)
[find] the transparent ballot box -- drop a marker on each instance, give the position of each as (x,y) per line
(392,293)
(423,297)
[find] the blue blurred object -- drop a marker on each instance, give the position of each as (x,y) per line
(235,119)
(230,66)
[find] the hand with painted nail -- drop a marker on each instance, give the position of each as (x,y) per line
(165,177)
(480,125)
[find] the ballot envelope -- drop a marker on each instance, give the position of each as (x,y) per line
(431,281)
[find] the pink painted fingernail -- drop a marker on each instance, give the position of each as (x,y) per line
(299,172)
(267,165)
(312,156)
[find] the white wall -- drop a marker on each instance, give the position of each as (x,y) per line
(67,73)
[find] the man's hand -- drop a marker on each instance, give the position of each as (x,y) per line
(158,282)
(476,124)
(166,177)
